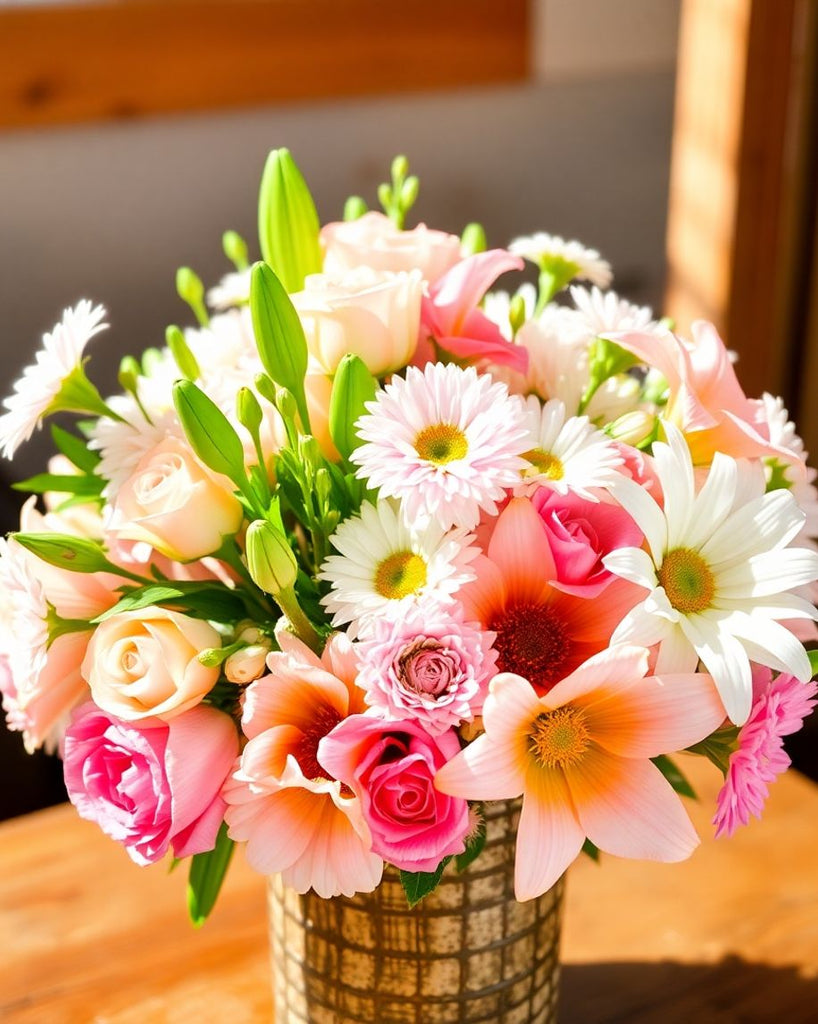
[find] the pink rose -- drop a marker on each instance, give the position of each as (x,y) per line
(373,315)
(153,785)
(174,504)
(427,665)
(579,534)
(146,662)
(374,241)
(391,767)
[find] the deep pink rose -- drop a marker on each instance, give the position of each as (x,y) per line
(580,533)
(151,785)
(391,767)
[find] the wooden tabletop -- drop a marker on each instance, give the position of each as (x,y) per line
(729,936)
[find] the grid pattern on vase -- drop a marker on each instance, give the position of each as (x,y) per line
(467,953)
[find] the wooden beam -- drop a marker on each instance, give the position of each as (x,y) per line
(62,63)
(735,179)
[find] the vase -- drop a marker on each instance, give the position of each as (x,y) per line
(467,952)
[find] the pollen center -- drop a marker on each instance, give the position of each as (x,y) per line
(441,443)
(545,463)
(687,580)
(558,738)
(531,642)
(400,574)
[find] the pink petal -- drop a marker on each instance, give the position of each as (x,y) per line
(201,748)
(201,835)
(483,771)
(549,837)
(520,550)
(629,809)
(655,715)
(606,671)
(277,827)
(485,596)
(461,288)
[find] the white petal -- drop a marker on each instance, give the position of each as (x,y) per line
(632,564)
(770,573)
(726,661)
(714,500)
(645,513)
(770,521)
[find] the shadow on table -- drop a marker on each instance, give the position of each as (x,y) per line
(730,992)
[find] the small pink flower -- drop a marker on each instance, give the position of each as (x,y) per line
(780,706)
(579,534)
(391,767)
(428,665)
(151,785)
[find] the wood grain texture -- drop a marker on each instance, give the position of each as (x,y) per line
(76,62)
(730,935)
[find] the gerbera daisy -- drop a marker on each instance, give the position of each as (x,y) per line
(564,260)
(779,709)
(385,565)
(579,757)
(599,312)
(718,571)
(55,380)
(445,441)
(567,453)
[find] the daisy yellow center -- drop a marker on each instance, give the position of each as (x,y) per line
(532,642)
(558,738)
(399,575)
(441,443)
(687,580)
(546,463)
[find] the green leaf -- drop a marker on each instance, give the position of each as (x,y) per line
(287,221)
(67,552)
(207,872)
(718,747)
(474,843)
(352,387)
(813,662)
(590,850)
(418,884)
(75,449)
(210,433)
(674,776)
(84,484)
(279,334)
(201,600)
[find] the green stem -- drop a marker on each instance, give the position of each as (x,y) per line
(302,626)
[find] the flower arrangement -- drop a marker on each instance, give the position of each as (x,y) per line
(372,545)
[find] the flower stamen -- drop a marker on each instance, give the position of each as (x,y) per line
(545,463)
(687,581)
(400,574)
(558,738)
(441,443)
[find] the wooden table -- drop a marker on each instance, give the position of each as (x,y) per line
(729,936)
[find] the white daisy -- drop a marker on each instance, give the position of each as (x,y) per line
(24,629)
(445,441)
(385,565)
(565,259)
(232,290)
(718,571)
(601,312)
(39,389)
(567,453)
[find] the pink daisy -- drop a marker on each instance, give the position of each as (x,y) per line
(779,709)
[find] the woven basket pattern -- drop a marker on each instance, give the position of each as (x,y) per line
(467,953)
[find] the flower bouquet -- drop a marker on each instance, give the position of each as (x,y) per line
(372,552)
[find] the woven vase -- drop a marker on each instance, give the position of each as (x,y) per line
(468,952)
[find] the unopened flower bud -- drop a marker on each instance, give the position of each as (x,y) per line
(247,664)
(235,249)
(633,427)
(270,558)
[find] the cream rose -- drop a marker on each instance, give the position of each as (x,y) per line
(145,662)
(374,241)
(374,315)
(172,503)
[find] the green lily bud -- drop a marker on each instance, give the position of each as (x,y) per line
(400,167)
(354,208)
(191,290)
(248,410)
(209,432)
(180,350)
(409,192)
(129,372)
(235,249)
(288,222)
(270,558)
(65,551)
(473,239)
(265,387)
(152,359)
(280,339)
(385,197)
(352,387)
(516,313)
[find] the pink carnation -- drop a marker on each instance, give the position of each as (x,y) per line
(580,533)
(391,766)
(779,709)
(428,666)
(151,785)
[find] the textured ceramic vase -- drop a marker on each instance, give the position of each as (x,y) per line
(468,952)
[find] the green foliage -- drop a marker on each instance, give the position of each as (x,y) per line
(209,432)
(287,222)
(674,776)
(207,872)
(418,884)
(352,388)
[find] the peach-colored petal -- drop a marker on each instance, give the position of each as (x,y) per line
(519,548)
(595,620)
(483,771)
(265,757)
(629,809)
(609,671)
(549,836)
(277,827)
(485,596)
(510,708)
(655,715)
(291,694)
